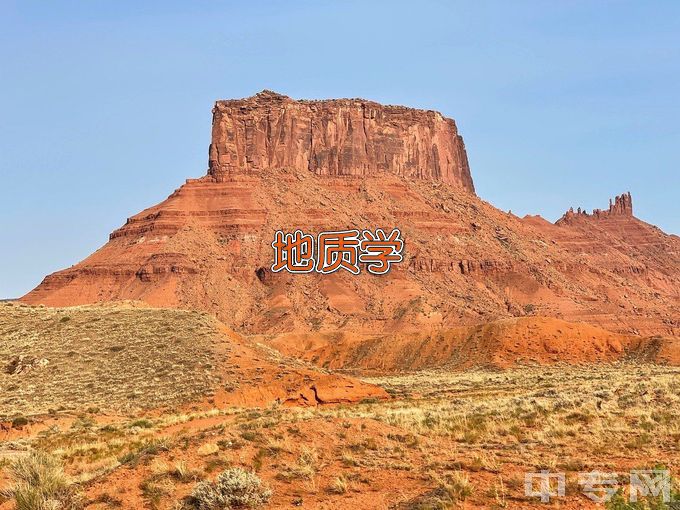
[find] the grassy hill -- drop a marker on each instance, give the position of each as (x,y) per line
(113,358)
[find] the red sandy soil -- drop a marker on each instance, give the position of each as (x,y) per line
(500,344)
(265,378)
(381,481)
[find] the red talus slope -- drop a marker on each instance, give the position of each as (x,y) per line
(500,344)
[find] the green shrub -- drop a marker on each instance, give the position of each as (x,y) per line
(142,423)
(233,488)
(19,421)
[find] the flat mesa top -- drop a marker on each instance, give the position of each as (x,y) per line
(269,97)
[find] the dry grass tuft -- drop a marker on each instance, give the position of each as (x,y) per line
(40,484)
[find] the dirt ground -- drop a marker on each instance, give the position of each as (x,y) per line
(444,440)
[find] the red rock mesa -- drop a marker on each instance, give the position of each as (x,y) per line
(344,137)
(276,163)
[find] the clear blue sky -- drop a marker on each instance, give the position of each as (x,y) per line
(105,106)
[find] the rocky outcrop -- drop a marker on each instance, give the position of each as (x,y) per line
(622,206)
(343,137)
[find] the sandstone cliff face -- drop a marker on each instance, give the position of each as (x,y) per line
(345,137)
